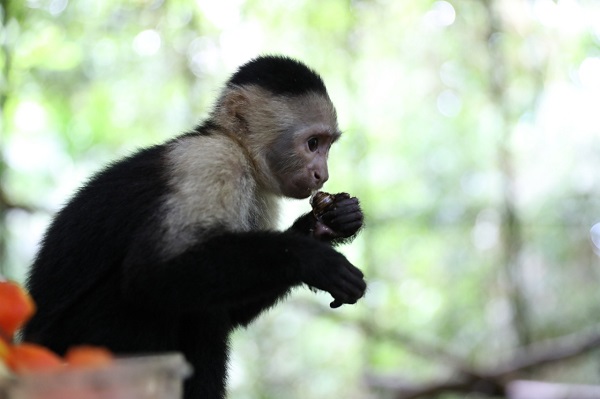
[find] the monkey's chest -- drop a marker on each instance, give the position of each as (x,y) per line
(262,214)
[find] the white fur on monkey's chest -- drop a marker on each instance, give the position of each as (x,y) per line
(212,187)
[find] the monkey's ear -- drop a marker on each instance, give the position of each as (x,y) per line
(234,104)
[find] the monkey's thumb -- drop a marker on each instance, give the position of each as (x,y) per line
(335,304)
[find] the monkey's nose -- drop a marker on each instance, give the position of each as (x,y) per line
(321,176)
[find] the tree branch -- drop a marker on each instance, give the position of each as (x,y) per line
(497,379)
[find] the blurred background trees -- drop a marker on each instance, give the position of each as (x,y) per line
(471,138)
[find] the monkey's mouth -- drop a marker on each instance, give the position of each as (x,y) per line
(306,192)
(299,188)
(316,187)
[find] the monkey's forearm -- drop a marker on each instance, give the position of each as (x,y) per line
(231,269)
(225,270)
(244,314)
(234,269)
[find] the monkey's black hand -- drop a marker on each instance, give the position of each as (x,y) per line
(326,269)
(342,219)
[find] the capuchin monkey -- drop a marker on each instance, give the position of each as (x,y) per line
(175,246)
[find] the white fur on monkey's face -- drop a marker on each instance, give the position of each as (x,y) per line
(311,144)
(300,131)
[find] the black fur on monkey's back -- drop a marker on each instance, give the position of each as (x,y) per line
(173,247)
(76,280)
(89,237)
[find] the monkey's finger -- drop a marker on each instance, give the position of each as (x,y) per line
(341,209)
(346,297)
(347,202)
(348,230)
(352,276)
(342,300)
(339,295)
(353,285)
(338,223)
(341,196)
(345,219)
(353,288)
(355,292)
(348,288)
(355,271)
(342,215)
(335,304)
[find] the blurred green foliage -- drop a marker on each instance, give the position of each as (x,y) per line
(471,138)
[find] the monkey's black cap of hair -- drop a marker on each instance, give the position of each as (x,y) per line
(279,75)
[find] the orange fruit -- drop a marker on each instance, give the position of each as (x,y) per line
(16,307)
(88,356)
(4,349)
(27,357)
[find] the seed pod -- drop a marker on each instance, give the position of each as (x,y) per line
(320,202)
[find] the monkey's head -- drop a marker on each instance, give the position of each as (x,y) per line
(279,110)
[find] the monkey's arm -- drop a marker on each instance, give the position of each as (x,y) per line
(338,225)
(245,313)
(344,222)
(233,269)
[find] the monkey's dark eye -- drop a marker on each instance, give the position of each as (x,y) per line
(313,144)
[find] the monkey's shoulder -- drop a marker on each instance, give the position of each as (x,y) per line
(207,166)
(210,181)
